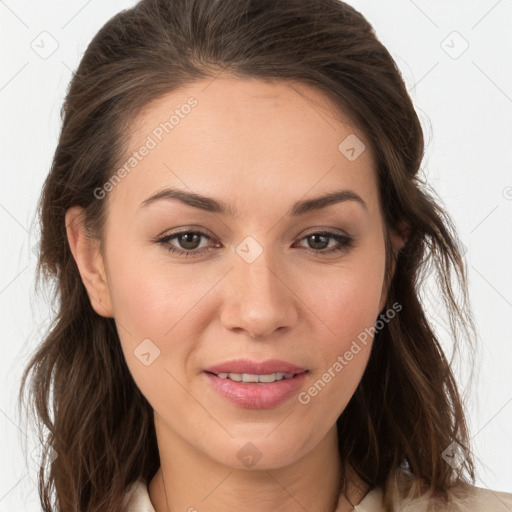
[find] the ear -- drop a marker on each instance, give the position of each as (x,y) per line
(88,258)
(398,239)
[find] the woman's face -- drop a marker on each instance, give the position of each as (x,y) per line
(258,281)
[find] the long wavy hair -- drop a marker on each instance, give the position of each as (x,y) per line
(96,427)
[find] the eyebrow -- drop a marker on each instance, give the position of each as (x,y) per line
(209,204)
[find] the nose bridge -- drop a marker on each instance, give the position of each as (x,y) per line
(259,277)
(258,299)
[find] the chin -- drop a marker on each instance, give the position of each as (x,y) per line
(263,452)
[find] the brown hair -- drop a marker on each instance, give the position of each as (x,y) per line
(406,409)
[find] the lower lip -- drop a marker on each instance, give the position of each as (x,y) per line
(257,395)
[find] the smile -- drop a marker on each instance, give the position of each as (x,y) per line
(256,391)
(248,377)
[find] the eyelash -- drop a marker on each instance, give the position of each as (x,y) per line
(346,242)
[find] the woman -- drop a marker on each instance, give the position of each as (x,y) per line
(237,230)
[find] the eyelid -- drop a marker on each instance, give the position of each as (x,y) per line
(321,229)
(186,229)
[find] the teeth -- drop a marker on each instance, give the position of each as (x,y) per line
(249,377)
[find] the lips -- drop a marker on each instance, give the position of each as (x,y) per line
(256,395)
(255,368)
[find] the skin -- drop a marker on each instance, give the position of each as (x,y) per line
(259,146)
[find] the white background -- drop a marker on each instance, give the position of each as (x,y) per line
(464,101)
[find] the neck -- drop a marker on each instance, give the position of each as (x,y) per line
(189,480)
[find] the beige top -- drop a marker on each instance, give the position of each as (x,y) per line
(471,499)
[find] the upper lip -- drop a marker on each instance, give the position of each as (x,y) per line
(255,368)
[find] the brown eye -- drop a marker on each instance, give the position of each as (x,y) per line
(319,241)
(188,242)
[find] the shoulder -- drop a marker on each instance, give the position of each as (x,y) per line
(472,499)
(462,497)
(136,498)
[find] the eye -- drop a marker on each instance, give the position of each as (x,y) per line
(187,239)
(319,241)
(190,242)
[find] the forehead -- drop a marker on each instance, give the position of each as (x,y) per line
(250,140)
(245,105)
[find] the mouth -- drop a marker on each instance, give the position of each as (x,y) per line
(240,369)
(265,378)
(257,391)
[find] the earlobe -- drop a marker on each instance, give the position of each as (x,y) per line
(88,258)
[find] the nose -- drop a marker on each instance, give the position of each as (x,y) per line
(258,298)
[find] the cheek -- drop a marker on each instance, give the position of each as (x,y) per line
(154,318)
(348,308)
(150,301)
(163,304)
(139,303)
(348,301)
